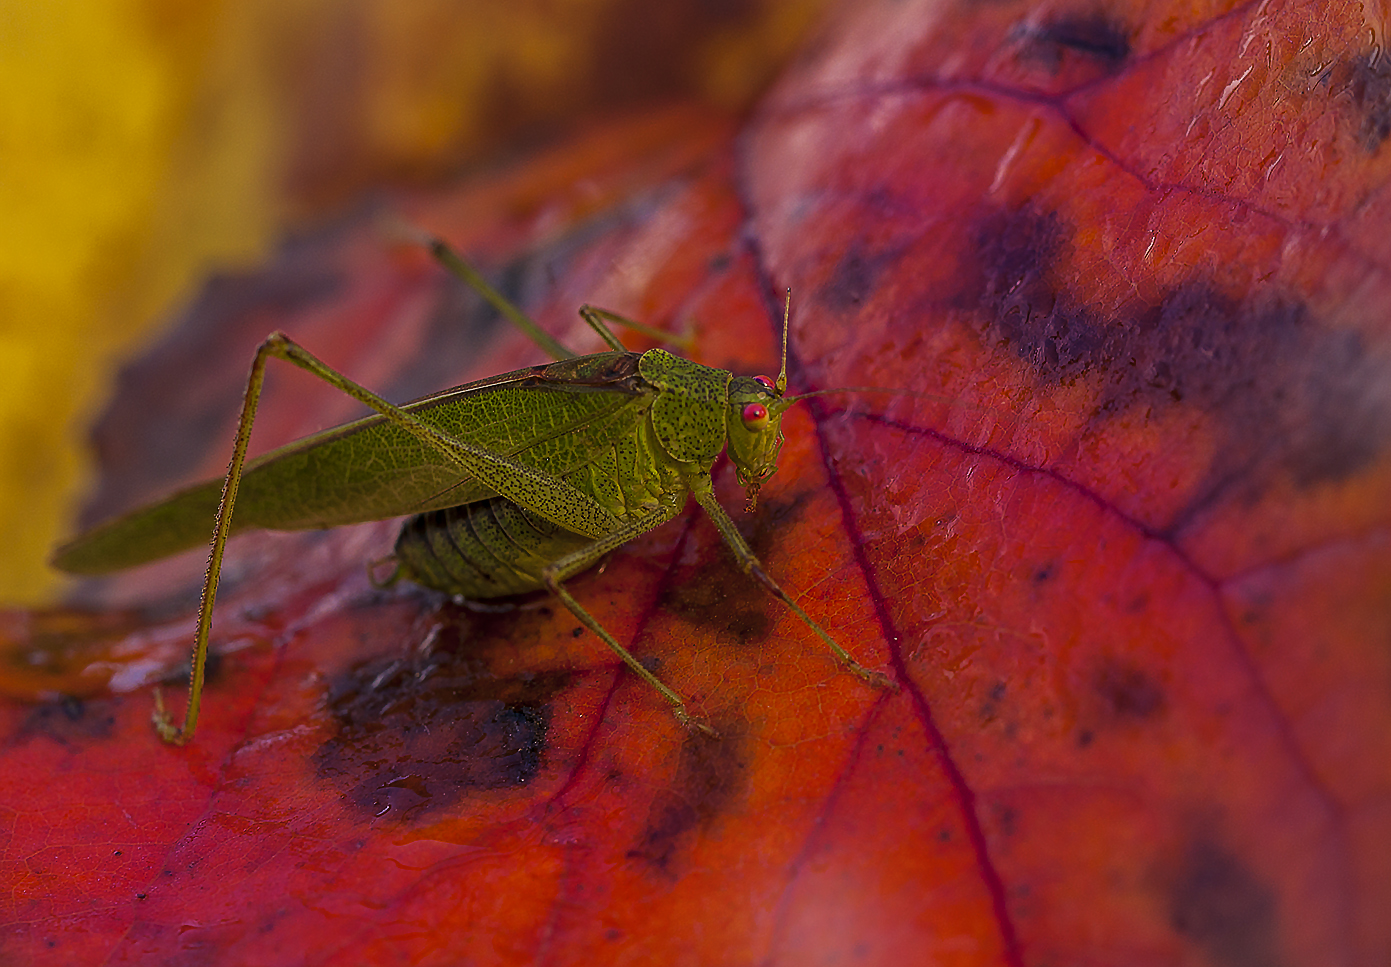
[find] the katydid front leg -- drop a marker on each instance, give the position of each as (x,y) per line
(703,491)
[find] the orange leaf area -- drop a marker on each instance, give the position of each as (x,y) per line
(1123,546)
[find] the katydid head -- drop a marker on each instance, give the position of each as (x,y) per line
(756,407)
(754,424)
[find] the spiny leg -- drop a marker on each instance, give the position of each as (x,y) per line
(596,316)
(586,557)
(460,267)
(221,527)
(703,491)
(452,261)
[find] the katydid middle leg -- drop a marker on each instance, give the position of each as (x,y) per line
(593,315)
(586,557)
(596,316)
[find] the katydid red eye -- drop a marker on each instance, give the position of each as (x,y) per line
(765,381)
(755,416)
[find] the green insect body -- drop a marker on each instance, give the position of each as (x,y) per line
(515,483)
(631,464)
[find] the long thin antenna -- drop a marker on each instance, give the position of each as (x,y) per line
(781,384)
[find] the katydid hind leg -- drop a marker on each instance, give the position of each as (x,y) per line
(703,491)
(547,495)
(221,528)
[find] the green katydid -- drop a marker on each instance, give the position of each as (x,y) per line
(515,483)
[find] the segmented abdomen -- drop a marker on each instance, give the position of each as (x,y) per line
(485,549)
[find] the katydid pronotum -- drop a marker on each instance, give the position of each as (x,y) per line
(515,483)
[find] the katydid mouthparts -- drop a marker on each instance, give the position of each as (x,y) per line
(515,483)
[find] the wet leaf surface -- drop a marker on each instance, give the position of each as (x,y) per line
(1126,554)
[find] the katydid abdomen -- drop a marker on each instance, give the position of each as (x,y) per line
(487,549)
(495,547)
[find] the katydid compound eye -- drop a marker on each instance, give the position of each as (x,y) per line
(755,416)
(765,381)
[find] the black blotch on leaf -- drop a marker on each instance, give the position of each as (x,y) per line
(71,721)
(1093,37)
(718,596)
(1289,396)
(990,708)
(711,777)
(1220,905)
(417,734)
(1361,90)
(1006,820)
(1128,692)
(852,280)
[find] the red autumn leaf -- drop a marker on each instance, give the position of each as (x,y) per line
(1128,563)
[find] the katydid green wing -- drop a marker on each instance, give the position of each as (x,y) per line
(556,417)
